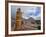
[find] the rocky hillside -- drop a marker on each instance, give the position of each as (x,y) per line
(27,24)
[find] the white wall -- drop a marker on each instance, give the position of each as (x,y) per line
(2,18)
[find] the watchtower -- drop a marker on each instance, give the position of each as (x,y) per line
(18,19)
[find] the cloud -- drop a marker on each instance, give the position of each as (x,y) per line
(25,17)
(35,13)
(27,12)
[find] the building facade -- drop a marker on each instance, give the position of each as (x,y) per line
(18,19)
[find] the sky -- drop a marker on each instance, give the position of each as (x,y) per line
(27,11)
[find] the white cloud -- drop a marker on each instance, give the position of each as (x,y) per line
(26,16)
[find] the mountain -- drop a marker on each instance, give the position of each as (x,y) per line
(29,24)
(30,19)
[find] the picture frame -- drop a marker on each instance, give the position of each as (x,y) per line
(8,16)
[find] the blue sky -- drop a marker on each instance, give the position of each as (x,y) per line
(27,12)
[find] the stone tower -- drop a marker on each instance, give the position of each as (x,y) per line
(18,19)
